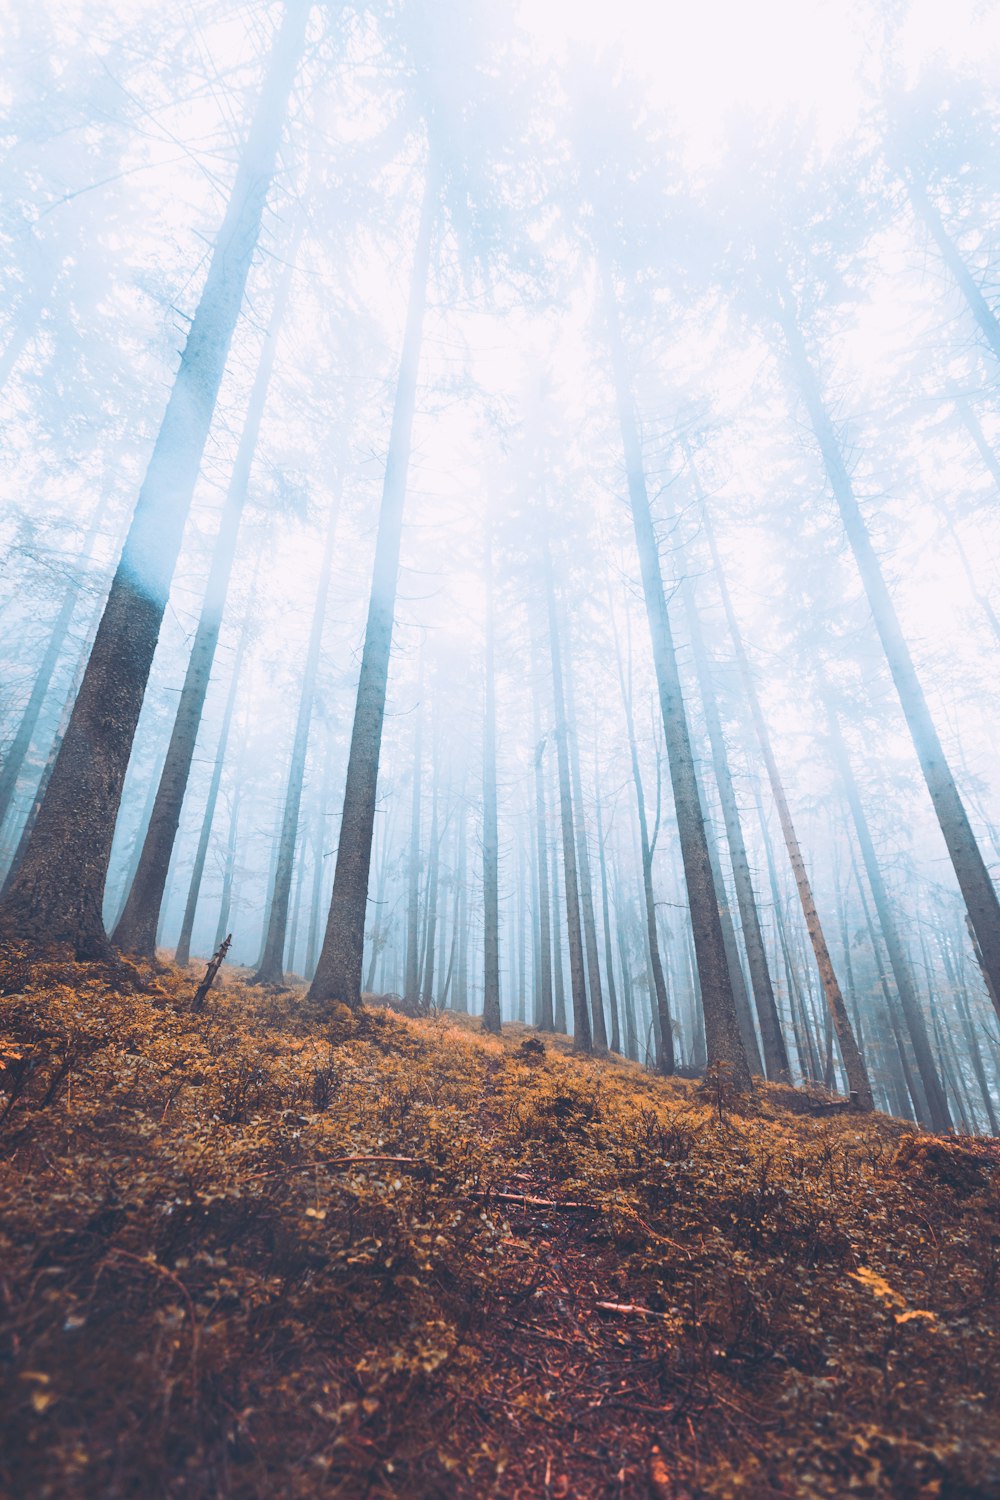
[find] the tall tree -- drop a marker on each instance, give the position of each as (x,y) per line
(967,860)
(491,843)
(270,970)
(338,971)
(722,1030)
(135,930)
(57,893)
(854,1065)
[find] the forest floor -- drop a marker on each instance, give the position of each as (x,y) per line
(257,1253)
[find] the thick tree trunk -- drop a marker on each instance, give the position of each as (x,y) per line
(57,893)
(338,973)
(578,984)
(970,868)
(183,951)
(135,930)
(722,1032)
(857,1075)
(270,969)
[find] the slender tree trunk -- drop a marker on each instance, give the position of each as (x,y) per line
(578,986)
(609,967)
(183,952)
(628,998)
(665,1058)
(338,973)
(135,931)
(270,969)
(857,1075)
(546,1017)
(970,868)
(927,212)
(411,981)
(57,893)
(736,976)
(491,849)
(319,865)
(461,915)
(20,744)
(936,1102)
(722,1032)
(558,984)
(598,1028)
(229,866)
(775,1052)
(918,1102)
(433,875)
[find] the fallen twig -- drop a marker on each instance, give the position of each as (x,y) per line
(630,1308)
(528,1201)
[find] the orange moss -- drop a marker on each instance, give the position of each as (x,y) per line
(250,1253)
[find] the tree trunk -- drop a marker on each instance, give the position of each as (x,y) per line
(722,1032)
(937,1104)
(135,931)
(270,969)
(558,984)
(546,1016)
(319,853)
(433,873)
(338,973)
(491,849)
(666,1061)
(775,1052)
(578,985)
(183,952)
(599,1030)
(928,214)
(20,744)
(857,1075)
(609,967)
(57,893)
(970,868)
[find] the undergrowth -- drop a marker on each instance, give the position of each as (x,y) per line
(259,1253)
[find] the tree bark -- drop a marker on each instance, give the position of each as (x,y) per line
(338,973)
(182,954)
(578,984)
(857,1075)
(57,893)
(491,848)
(775,1052)
(270,970)
(937,1103)
(135,930)
(722,1032)
(973,877)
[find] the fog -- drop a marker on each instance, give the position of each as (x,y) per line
(635,376)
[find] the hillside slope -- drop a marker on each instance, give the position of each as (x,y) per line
(245,1254)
